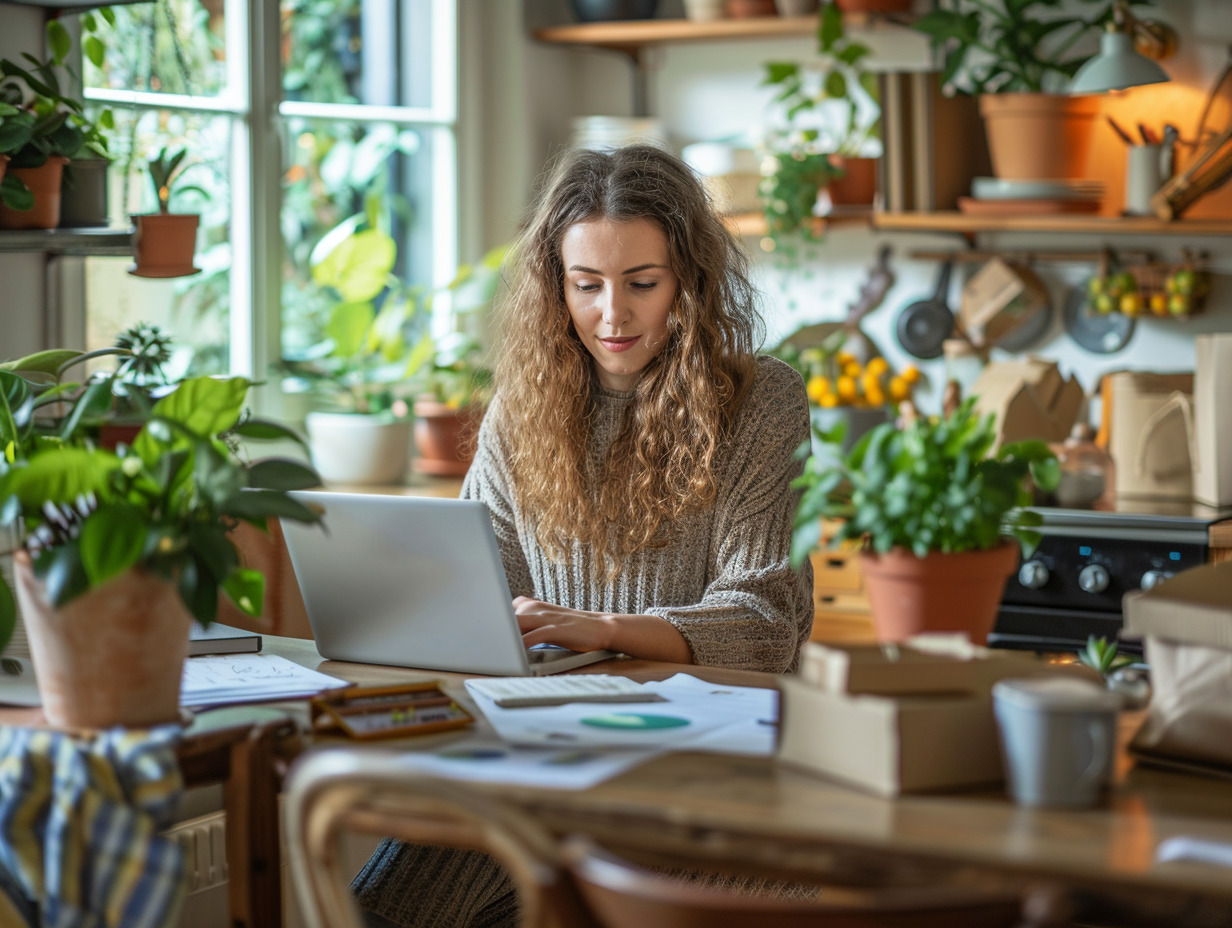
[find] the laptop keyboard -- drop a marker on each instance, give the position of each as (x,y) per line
(523,692)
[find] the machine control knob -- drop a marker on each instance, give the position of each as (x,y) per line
(1152,578)
(1033,575)
(1093,578)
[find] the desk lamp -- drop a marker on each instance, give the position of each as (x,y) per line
(1125,54)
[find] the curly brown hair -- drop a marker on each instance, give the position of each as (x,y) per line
(661,464)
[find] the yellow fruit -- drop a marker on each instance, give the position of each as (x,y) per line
(911,374)
(1105,303)
(875,397)
(1179,304)
(817,388)
(1131,304)
(900,388)
(869,382)
(852,369)
(846,388)
(829,401)
(844,357)
(877,366)
(1159,304)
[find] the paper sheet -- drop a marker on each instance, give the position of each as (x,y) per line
(488,760)
(232,678)
(723,719)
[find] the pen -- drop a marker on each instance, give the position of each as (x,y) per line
(1119,131)
(1148,137)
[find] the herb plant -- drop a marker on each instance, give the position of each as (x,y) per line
(166,169)
(1003,46)
(934,485)
(1101,655)
(164,504)
(824,109)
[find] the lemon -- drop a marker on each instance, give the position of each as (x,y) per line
(911,374)
(846,388)
(1159,304)
(876,366)
(1131,304)
(817,388)
(900,388)
(829,401)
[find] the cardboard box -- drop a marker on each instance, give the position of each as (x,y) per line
(998,299)
(1030,399)
(1187,624)
(1212,468)
(898,719)
(890,745)
(1151,434)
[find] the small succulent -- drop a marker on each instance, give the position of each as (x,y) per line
(1101,654)
(148,349)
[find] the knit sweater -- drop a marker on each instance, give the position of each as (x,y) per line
(723,577)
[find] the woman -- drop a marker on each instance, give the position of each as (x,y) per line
(637,461)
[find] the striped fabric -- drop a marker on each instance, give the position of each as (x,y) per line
(80,823)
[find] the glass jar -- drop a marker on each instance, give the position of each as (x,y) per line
(1085,469)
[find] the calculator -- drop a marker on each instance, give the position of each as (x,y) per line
(370,712)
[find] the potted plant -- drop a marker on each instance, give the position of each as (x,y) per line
(452,393)
(821,125)
(1020,64)
(120,550)
(164,242)
(363,361)
(31,186)
(937,511)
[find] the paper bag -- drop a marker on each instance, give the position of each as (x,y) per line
(1029,398)
(1151,434)
(999,299)
(1212,470)
(1187,624)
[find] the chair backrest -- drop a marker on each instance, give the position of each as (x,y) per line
(620,894)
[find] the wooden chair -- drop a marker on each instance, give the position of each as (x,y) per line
(571,883)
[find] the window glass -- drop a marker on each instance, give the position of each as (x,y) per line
(170,46)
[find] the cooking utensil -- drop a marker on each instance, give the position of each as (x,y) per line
(1030,332)
(1101,333)
(924,325)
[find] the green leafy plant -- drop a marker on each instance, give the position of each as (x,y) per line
(39,122)
(934,485)
(164,504)
(1101,655)
(166,169)
(1003,46)
(93,49)
(824,109)
(369,356)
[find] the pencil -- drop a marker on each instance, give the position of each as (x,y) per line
(1119,131)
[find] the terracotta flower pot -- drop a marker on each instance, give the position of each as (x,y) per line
(938,593)
(857,186)
(442,436)
(113,656)
(1038,136)
(44,183)
(875,6)
(163,245)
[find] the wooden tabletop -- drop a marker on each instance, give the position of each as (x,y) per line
(764,815)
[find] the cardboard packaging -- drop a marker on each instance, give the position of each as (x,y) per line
(998,299)
(897,719)
(1151,433)
(1187,624)
(1030,399)
(1212,471)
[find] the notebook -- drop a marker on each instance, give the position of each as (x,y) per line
(413,582)
(221,639)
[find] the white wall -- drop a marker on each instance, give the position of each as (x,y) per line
(21,276)
(710,90)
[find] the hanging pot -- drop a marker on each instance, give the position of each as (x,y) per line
(163,245)
(1038,136)
(937,593)
(83,194)
(112,656)
(924,326)
(442,438)
(44,183)
(857,186)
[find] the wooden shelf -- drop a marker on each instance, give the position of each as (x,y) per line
(1077,225)
(638,32)
(103,242)
(753,225)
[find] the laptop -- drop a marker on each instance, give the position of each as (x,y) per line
(413,582)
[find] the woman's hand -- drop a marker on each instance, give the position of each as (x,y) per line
(645,636)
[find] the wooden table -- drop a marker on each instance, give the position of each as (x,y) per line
(754,814)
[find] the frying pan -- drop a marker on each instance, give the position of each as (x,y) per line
(1104,333)
(925,324)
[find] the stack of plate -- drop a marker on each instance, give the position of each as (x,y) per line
(994,196)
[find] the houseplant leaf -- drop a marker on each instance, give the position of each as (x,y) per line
(111,541)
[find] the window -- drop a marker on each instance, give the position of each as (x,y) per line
(360,97)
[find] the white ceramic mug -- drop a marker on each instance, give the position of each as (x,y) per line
(1144,175)
(1058,737)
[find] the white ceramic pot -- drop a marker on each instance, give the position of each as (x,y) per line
(350,448)
(704,10)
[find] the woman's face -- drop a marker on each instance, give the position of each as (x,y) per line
(619,288)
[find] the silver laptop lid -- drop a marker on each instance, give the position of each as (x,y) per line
(408,581)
